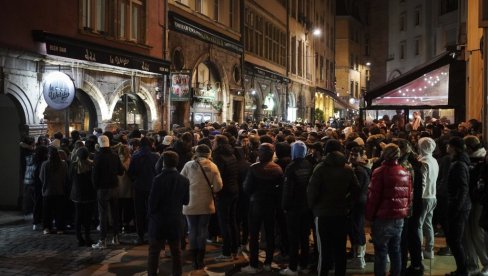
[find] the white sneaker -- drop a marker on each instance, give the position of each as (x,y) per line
(484,271)
(356,263)
(267,267)
(35,227)
(99,245)
(303,270)
(250,270)
(223,258)
(46,231)
(288,271)
(428,255)
(115,240)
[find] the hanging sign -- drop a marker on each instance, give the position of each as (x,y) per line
(180,87)
(58,90)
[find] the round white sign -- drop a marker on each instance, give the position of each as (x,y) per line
(58,90)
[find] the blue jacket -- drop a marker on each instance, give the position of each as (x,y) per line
(142,169)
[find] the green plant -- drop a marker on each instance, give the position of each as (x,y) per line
(319,114)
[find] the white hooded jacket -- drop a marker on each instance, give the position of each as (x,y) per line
(429,168)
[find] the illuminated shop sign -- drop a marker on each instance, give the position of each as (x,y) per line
(190,28)
(82,50)
(58,90)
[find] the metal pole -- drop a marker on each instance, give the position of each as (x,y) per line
(485,87)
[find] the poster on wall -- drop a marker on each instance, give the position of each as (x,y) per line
(180,87)
(58,90)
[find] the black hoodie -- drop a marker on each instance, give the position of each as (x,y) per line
(458,185)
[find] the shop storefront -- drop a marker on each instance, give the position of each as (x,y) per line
(433,90)
(210,63)
(106,88)
(266,94)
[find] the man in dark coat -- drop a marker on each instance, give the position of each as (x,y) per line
(332,191)
(458,202)
(106,167)
(169,192)
(142,170)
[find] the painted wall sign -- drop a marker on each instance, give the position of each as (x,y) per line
(259,71)
(183,25)
(82,50)
(58,90)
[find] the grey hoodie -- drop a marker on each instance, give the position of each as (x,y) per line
(429,167)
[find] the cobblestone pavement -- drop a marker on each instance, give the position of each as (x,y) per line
(27,252)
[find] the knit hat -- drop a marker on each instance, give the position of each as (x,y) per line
(391,152)
(332,145)
(168,139)
(472,142)
(298,150)
(457,143)
(103,141)
(203,151)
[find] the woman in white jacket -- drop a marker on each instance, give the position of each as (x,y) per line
(205,180)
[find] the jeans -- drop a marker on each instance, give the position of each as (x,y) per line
(155,247)
(141,199)
(108,205)
(259,214)
(198,231)
(386,239)
(243,217)
(298,225)
(426,229)
(331,242)
(226,213)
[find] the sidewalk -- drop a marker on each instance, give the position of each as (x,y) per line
(11,217)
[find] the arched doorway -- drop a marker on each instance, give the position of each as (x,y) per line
(207,94)
(130,113)
(11,119)
(80,115)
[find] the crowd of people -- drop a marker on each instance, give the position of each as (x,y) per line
(299,189)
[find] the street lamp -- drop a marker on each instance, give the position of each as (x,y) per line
(368,63)
(316,32)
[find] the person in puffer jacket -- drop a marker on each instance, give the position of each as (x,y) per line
(386,206)
(294,204)
(331,193)
(430,170)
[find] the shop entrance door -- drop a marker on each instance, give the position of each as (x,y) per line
(237,111)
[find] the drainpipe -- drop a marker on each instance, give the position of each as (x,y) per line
(285,116)
(485,86)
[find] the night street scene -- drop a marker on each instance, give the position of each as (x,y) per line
(244,137)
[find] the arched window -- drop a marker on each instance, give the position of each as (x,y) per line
(130,113)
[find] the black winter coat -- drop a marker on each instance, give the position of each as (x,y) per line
(297,176)
(81,185)
(224,158)
(263,183)
(106,167)
(142,169)
(458,185)
(169,192)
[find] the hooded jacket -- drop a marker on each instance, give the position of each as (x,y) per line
(297,176)
(142,169)
(333,187)
(429,167)
(263,183)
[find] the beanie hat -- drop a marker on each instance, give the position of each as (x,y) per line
(203,151)
(391,152)
(332,145)
(457,143)
(168,139)
(103,141)
(472,142)
(298,150)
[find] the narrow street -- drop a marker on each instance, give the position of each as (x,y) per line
(27,252)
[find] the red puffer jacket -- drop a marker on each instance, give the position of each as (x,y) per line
(389,193)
